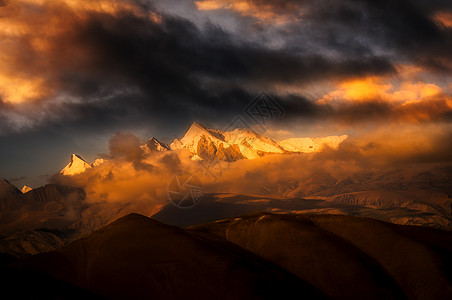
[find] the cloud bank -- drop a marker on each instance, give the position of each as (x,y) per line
(86,69)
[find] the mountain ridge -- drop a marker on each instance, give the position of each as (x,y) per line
(159,261)
(211,144)
(254,256)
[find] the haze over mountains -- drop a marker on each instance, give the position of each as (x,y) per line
(419,196)
(325,170)
(241,172)
(203,143)
(276,218)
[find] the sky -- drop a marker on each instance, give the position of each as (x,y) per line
(74,73)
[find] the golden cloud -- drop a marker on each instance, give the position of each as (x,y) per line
(402,98)
(377,88)
(32,37)
(265,12)
(118,180)
(444,18)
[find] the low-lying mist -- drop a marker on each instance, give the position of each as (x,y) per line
(129,175)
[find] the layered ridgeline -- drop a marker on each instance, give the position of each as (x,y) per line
(258,256)
(204,143)
(46,217)
(72,206)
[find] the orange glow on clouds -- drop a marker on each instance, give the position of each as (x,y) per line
(373,88)
(37,45)
(31,34)
(404,96)
(17,90)
(83,6)
(445,18)
(263,12)
(360,90)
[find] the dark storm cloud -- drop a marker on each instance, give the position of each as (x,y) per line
(92,72)
(406,31)
(403,31)
(127,69)
(164,65)
(377,111)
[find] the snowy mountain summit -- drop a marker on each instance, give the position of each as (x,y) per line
(204,143)
(26,189)
(208,144)
(77,166)
(154,145)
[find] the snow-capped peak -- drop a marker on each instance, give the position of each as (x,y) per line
(77,166)
(251,144)
(196,133)
(26,189)
(154,144)
(196,130)
(230,145)
(205,143)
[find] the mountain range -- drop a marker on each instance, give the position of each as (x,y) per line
(204,143)
(318,234)
(211,144)
(46,218)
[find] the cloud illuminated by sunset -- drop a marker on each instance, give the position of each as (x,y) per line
(260,10)
(31,33)
(73,73)
(445,18)
(371,89)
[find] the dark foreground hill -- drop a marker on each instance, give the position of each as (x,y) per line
(259,256)
(349,257)
(139,258)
